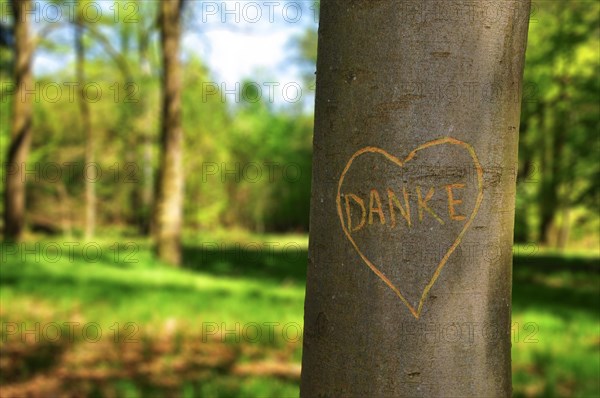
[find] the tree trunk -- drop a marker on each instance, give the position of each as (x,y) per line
(147,193)
(548,199)
(66,219)
(412,208)
(562,239)
(555,139)
(86,125)
(21,128)
(169,201)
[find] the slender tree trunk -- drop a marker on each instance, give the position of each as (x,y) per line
(412,209)
(66,219)
(556,233)
(555,139)
(553,175)
(147,193)
(21,127)
(86,125)
(562,239)
(128,134)
(548,199)
(169,201)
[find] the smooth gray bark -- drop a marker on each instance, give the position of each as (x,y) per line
(415,151)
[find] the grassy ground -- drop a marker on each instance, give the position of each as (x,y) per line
(227,323)
(556,305)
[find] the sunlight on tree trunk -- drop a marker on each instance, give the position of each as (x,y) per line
(169,201)
(86,125)
(21,127)
(413,198)
(147,192)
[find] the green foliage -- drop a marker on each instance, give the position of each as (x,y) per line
(248,163)
(280,147)
(306,46)
(559,146)
(268,150)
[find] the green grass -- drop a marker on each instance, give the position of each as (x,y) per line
(229,286)
(558,297)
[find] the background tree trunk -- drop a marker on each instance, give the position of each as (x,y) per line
(169,199)
(409,294)
(147,173)
(21,128)
(86,126)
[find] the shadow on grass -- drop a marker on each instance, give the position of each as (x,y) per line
(542,282)
(554,263)
(96,290)
(118,255)
(545,282)
(557,284)
(274,265)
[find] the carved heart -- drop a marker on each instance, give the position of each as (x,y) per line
(428,218)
